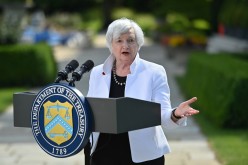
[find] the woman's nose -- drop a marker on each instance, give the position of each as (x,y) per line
(125,44)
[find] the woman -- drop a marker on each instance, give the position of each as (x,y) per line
(125,74)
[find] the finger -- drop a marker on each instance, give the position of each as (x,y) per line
(193,111)
(190,101)
(190,113)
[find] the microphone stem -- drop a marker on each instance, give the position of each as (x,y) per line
(72,84)
(57,80)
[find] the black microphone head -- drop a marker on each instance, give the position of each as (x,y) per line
(89,64)
(72,65)
(63,74)
(85,67)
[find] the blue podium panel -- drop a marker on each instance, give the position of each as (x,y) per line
(60,121)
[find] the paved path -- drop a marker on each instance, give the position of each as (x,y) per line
(189,146)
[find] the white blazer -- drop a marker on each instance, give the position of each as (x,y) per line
(147,81)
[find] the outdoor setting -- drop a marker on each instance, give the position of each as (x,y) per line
(201,44)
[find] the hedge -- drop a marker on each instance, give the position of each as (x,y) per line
(221,84)
(27,65)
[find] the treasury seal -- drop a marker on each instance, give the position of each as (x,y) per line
(60,120)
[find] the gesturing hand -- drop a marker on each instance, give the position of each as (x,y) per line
(184,109)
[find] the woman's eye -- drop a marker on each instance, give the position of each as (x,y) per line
(131,40)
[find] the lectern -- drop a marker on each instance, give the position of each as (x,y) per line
(110,115)
(61,118)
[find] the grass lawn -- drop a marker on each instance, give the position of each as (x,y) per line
(6,97)
(231,146)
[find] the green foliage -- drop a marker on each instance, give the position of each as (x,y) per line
(234,13)
(123,12)
(193,9)
(229,145)
(12,1)
(146,21)
(200,24)
(10,26)
(92,20)
(6,96)
(221,84)
(64,6)
(93,26)
(27,65)
(177,22)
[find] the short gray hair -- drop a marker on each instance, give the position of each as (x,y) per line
(121,26)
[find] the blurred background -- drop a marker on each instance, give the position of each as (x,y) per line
(207,40)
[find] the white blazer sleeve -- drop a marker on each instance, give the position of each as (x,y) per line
(161,94)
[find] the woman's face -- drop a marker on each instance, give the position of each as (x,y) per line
(125,47)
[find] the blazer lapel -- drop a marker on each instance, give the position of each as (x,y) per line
(104,85)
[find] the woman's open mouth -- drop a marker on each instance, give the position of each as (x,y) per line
(125,53)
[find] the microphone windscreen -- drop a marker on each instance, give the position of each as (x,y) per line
(73,64)
(89,64)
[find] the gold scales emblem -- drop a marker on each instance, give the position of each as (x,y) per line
(58,122)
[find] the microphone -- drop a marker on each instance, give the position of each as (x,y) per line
(85,67)
(63,74)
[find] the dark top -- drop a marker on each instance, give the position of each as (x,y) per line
(114,145)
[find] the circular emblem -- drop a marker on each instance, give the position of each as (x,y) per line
(60,120)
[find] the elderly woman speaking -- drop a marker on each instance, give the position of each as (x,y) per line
(125,74)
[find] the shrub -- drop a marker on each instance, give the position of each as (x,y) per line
(92,20)
(177,22)
(221,84)
(122,12)
(147,22)
(27,65)
(238,16)
(10,26)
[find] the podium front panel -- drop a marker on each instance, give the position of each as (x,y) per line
(22,104)
(104,113)
(110,115)
(118,115)
(135,114)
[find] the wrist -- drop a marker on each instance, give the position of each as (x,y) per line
(174,115)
